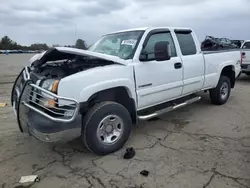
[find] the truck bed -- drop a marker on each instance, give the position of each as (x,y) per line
(221,51)
(215,58)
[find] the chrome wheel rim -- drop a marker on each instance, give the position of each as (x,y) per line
(224,90)
(110,129)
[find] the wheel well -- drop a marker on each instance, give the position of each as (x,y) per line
(117,94)
(229,71)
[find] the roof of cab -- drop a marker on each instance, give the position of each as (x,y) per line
(132,29)
(146,28)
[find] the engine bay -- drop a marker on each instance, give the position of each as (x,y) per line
(62,68)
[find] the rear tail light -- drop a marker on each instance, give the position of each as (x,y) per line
(242,56)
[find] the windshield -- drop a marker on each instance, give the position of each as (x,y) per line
(122,45)
(246,45)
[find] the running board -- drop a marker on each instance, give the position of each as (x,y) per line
(168,109)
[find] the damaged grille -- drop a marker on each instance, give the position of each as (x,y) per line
(50,105)
(27,96)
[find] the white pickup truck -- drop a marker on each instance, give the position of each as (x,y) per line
(245,53)
(126,76)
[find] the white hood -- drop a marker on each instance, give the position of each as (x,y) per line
(75,51)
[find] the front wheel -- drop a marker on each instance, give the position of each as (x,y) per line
(221,93)
(106,127)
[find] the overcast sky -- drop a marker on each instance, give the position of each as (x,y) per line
(55,21)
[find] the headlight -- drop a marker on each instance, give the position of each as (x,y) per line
(50,85)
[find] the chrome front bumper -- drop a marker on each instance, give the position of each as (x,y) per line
(65,109)
(35,114)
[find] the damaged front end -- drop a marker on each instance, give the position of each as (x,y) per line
(58,63)
(42,113)
(39,110)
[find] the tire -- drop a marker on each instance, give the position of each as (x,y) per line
(93,131)
(218,96)
(247,73)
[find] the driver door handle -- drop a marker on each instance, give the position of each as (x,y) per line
(178,65)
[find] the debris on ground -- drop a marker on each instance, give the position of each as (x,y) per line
(203,138)
(29,179)
(3,104)
(144,173)
(130,153)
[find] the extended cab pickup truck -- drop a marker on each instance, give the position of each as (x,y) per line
(126,76)
(245,53)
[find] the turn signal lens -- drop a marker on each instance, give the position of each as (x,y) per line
(55,86)
(52,103)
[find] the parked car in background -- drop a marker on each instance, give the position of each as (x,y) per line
(238,42)
(245,53)
(227,43)
(211,43)
(126,76)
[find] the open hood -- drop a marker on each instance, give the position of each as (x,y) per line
(60,53)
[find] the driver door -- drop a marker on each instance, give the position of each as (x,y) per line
(158,81)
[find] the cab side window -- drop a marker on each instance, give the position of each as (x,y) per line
(187,43)
(150,46)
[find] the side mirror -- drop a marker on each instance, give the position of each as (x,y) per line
(162,51)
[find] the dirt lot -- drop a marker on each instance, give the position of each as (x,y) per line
(201,145)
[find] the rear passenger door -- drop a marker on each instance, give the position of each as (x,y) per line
(192,60)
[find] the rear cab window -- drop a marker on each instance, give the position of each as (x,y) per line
(186,42)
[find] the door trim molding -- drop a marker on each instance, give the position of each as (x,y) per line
(160,88)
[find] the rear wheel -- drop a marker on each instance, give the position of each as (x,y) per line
(221,93)
(106,127)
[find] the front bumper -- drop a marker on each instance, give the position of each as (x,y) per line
(47,130)
(60,122)
(245,68)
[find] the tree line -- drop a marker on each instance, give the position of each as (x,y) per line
(7,44)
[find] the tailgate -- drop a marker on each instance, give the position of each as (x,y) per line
(245,56)
(245,52)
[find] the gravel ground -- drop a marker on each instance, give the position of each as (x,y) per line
(201,145)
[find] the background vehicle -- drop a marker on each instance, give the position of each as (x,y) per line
(238,42)
(126,76)
(212,43)
(245,53)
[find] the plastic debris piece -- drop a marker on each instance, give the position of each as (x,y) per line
(28,179)
(144,173)
(3,104)
(130,153)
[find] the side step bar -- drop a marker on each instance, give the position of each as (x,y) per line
(168,109)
